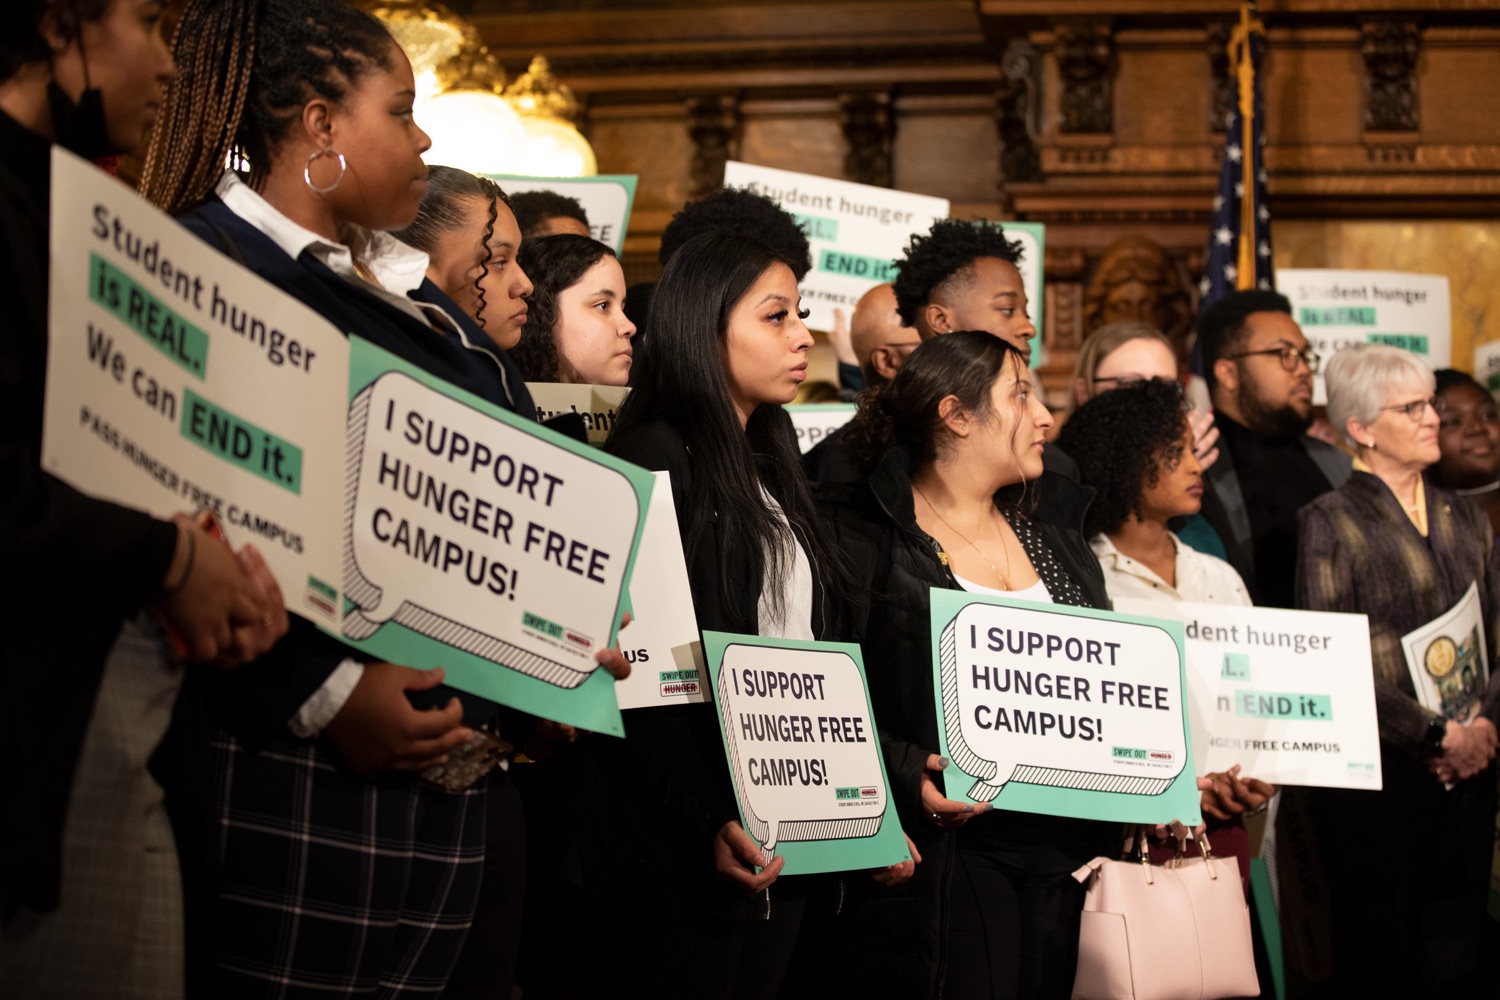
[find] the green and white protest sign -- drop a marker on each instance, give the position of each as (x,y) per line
(857,231)
(597,405)
(1288,695)
(1339,308)
(417,522)
(1487,365)
(815,422)
(1033,239)
(804,752)
(606,200)
(662,642)
(1067,711)
(484,543)
(178,380)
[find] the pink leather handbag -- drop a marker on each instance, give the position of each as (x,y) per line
(1179,931)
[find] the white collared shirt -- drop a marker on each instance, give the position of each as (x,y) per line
(1200,576)
(400,269)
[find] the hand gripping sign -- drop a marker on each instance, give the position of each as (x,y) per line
(803,751)
(1062,710)
(481,532)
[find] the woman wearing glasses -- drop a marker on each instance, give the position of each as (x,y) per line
(1119,354)
(1390,545)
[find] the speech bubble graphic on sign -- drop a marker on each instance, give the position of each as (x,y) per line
(481,535)
(803,751)
(1070,711)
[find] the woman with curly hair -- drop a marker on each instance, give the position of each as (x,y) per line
(472,240)
(1135,446)
(577,330)
(954,495)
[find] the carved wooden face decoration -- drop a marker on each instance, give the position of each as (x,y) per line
(1137,280)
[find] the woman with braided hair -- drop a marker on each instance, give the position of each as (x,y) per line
(351,863)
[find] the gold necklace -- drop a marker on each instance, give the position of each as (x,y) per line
(363,270)
(1004,577)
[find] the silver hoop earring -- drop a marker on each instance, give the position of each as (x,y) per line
(307,170)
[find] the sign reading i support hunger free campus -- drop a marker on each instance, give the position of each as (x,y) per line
(804,752)
(403,515)
(1067,711)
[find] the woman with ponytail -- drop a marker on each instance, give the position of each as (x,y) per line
(472,241)
(952,454)
(352,858)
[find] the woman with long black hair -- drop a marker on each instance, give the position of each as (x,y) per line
(728,348)
(955,496)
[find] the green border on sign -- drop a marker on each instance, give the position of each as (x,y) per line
(888,845)
(626,181)
(1178,801)
(592,704)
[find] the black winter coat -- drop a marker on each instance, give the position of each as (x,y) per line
(902,932)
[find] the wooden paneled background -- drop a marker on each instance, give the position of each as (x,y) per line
(1098,118)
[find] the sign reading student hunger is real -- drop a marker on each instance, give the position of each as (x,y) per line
(1287,695)
(1068,711)
(856,231)
(1339,308)
(401,514)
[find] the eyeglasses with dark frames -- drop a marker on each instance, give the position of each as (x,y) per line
(1289,356)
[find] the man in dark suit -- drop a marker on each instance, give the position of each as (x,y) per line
(1259,370)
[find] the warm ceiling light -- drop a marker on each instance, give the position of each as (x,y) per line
(554,147)
(474,130)
(472,126)
(429,33)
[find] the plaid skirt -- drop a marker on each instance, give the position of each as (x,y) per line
(335,885)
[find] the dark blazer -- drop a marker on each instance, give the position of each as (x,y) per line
(1224,503)
(1359,553)
(256,703)
(75,566)
(669,777)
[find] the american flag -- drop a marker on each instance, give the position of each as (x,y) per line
(1239,244)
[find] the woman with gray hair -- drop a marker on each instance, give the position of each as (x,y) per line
(1390,545)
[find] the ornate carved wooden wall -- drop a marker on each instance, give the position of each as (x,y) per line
(1099,117)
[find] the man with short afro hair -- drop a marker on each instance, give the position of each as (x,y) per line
(546,213)
(963,275)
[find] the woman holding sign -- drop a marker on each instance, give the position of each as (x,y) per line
(94,737)
(728,348)
(331,763)
(1134,446)
(1420,563)
(956,498)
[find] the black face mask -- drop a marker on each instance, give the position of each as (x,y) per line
(80,126)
